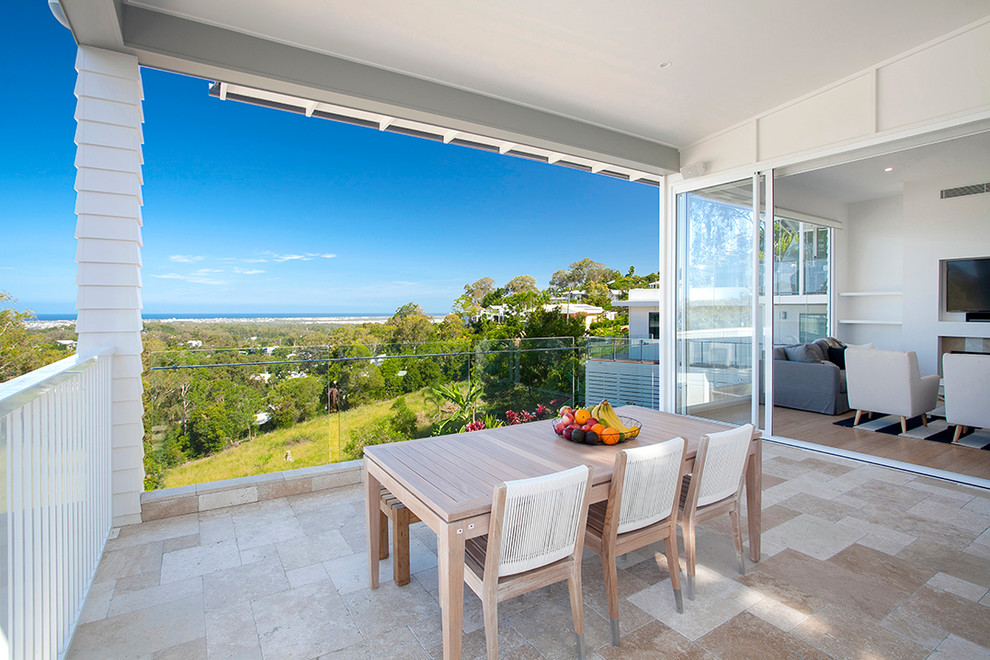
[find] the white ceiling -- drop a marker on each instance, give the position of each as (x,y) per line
(597,61)
(867,179)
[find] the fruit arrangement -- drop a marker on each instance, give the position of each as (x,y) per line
(600,425)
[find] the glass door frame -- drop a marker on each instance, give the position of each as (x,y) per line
(763,200)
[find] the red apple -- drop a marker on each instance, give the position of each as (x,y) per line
(558,429)
(567,419)
(567,433)
(591,422)
(566,410)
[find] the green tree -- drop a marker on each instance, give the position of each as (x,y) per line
(21,350)
(295,400)
(521,284)
(580,273)
(480,289)
(410,324)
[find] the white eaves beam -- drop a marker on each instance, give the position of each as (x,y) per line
(96,23)
(185,46)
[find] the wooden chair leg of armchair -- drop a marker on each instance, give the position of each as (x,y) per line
(611,592)
(958,432)
(903,424)
(859,413)
(687,532)
(577,611)
(674,567)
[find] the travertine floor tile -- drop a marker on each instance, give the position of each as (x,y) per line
(202,559)
(654,640)
(305,622)
(746,637)
(231,633)
(549,628)
(398,644)
(929,615)
(716,601)
(403,605)
(156,595)
(130,560)
(225,588)
(961,588)
(807,584)
(957,648)
(939,558)
(845,635)
(899,573)
(776,613)
(142,632)
(813,536)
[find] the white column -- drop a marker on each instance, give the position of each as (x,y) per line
(108,206)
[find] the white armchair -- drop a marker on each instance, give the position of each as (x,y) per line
(888,382)
(967,382)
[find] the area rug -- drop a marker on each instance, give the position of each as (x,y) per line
(936,431)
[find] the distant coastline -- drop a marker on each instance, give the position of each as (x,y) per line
(67,320)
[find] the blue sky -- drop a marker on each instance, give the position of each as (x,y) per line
(248,209)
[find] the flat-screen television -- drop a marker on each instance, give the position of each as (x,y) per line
(967,285)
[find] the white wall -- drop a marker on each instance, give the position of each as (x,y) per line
(869,258)
(937,229)
(895,244)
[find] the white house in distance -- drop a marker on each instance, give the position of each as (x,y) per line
(862,129)
(644,313)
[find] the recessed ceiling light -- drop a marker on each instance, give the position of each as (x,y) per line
(888,169)
(663,65)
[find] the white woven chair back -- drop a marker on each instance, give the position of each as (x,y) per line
(540,524)
(725,460)
(650,488)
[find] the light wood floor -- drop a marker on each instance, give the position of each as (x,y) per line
(821,430)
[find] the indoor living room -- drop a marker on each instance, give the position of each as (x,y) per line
(902,222)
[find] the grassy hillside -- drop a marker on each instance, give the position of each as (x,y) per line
(310,443)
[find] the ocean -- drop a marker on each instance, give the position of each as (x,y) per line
(306,318)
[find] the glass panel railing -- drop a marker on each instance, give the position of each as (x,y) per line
(220,414)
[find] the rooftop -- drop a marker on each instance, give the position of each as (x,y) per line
(860,561)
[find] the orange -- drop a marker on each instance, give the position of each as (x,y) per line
(581,416)
(609,436)
(598,428)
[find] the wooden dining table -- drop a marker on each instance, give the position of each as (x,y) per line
(448,481)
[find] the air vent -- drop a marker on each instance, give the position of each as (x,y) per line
(965,190)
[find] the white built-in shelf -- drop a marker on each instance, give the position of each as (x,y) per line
(871,293)
(867,322)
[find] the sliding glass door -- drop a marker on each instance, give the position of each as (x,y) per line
(717,305)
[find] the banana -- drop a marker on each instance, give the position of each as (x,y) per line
(611,418)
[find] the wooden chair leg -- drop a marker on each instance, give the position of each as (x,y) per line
(859,413)
(737,538)
(489,607)
(674,566)
(611,592)
(400,541)
(687,532)
(577,611)
(958,433)
(924,420)
(903,425)
(383,536)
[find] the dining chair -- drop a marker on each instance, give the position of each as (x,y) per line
(641,509)
(715,488)
(534,539)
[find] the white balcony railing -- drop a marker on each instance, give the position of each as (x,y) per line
(55,442)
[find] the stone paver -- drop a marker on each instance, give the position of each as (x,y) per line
(859,561)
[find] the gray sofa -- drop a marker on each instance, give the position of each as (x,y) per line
(811,377)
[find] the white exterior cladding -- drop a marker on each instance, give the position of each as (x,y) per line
(108,206)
